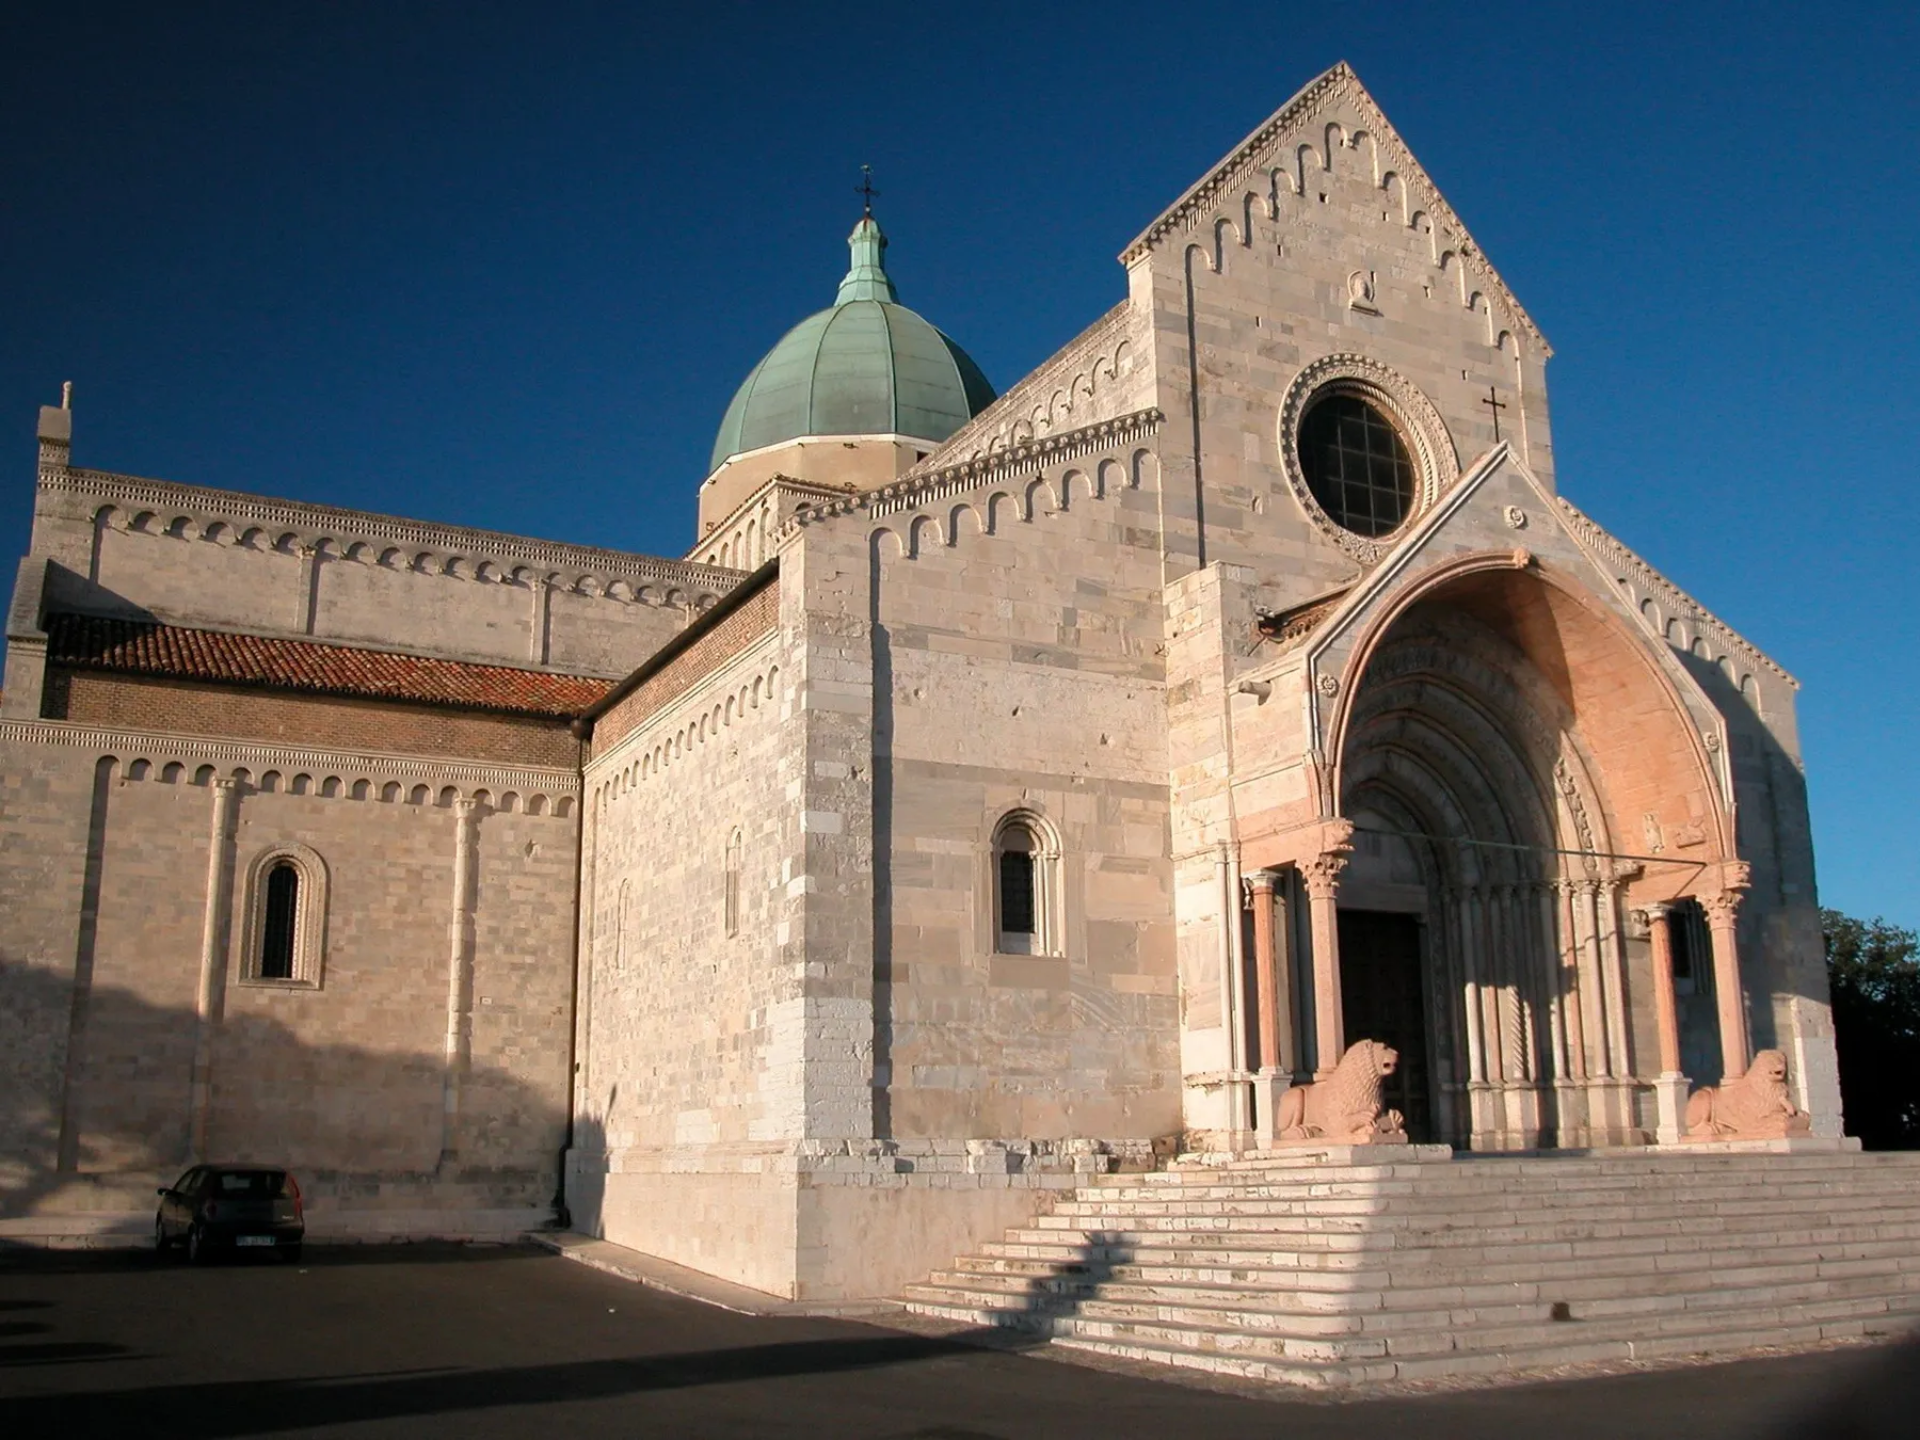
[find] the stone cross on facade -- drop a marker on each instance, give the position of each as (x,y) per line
(1494,403)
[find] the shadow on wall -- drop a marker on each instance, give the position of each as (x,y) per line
(96,1100)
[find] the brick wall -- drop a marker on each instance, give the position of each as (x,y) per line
(185,708)
(729,636)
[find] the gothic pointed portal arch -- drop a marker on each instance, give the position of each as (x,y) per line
(1504,753)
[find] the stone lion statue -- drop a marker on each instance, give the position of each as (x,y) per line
(1344,1108)
(1754,1107)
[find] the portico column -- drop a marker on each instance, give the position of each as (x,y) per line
(1271,1081)
(1568,988)
(1722,913)
(1321,875)
(1670,1090)
(1265,984)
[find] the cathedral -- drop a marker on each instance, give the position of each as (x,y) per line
(1002,789)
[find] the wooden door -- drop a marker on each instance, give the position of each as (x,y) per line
(1383,998)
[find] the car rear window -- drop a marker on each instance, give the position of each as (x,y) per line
(250,1184)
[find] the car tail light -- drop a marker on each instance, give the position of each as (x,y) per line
(299,1205)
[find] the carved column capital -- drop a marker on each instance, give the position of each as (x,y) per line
(1321,873)
(1261,883)
(1722,908)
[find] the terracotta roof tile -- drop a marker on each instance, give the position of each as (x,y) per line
(134,647)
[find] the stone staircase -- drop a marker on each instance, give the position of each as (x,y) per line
(1325,1272)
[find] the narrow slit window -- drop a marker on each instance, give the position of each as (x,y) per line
(1016,890)
(282,915)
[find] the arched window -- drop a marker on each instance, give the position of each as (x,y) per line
(730,896)
(284,918)
(277,929)
(1025,887)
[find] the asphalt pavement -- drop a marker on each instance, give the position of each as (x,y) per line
(484,1342)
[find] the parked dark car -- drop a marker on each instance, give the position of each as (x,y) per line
(231,1207)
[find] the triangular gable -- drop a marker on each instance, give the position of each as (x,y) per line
(1251,166)
(1497,498)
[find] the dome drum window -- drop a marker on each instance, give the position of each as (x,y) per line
(1364,451)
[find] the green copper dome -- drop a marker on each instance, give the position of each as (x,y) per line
(867,366)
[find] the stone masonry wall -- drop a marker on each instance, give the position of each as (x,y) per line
(685,1089)
(1016,639)
(113,916)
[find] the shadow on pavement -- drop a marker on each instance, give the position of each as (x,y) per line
(1878,1400)
(258,1407)
(40,1260)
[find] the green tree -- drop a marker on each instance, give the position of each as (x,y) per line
(1874,971)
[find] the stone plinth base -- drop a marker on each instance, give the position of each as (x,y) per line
(1319,1152)
(828,1221)
(1782,1145)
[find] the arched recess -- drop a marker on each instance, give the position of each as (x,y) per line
(1504,748)
(1649,764)
(284,905)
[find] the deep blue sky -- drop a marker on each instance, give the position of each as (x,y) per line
(503,265)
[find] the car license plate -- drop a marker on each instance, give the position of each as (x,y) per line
(253,1239)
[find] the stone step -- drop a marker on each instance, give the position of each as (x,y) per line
(1271,1215)
(1321,1288)
(1556,1349)
(1325,1273)
(1306,1233)
(1415,1199)
(1541,1169)
(1535,1347)
(1256,1262)
(1788,1191)
(1727,1320)
(1441,1312)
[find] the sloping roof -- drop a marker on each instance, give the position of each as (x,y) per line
(137,647)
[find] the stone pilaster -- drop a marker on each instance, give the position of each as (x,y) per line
(213,963)
(460,934)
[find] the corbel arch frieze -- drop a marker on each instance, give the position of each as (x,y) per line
(321,775)
(129,505)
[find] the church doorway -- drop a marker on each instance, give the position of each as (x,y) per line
(1485,929)
(1382,997)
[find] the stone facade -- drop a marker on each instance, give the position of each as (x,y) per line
(955,832)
